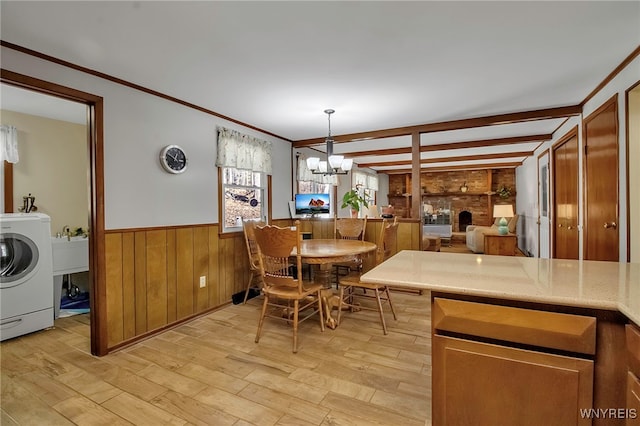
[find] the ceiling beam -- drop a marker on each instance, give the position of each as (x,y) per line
(453,145)
(511,165)
(450,159)
(467,123)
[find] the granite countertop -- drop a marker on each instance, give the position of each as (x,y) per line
(581,283)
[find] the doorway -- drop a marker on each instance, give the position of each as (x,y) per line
(51,177)
(96,193)
(566,240)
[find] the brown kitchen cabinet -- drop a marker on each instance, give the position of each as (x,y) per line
(507,365)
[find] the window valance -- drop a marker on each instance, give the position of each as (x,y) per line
(243,151)
(365,180)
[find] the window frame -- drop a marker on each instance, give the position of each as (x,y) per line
(372,194)
(266,212)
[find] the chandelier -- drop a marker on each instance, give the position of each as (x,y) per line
(334,164)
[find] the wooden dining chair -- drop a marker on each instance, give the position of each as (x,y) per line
(352,290)
(248,227)
(348,229)
(286,295)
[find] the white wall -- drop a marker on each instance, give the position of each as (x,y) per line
(52,167)
(527,173)
(138,193)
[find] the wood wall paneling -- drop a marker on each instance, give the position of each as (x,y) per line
(128,285)
(114,257)
(201,267)
(172,277)
(156,279)
(140,262)
(184,272)
(215,298)
(153,277)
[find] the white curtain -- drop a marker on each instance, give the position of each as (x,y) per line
(365,180)
(372,182)
(359,178)
(243,151)
(9,143)
(305,175)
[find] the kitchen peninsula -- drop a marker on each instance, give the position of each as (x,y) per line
(520,340)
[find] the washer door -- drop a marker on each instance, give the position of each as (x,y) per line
(18,258)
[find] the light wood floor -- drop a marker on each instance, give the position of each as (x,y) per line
(210,372)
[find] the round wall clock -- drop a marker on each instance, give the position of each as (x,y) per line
(173,159)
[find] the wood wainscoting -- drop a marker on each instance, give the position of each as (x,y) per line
(153,277)
(153,274)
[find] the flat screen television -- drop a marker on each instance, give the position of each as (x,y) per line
(312,204)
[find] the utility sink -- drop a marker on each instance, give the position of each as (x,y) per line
(70,255)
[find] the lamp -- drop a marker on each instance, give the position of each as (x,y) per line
(503,211)
(335,164)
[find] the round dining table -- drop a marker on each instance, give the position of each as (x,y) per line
(325,252)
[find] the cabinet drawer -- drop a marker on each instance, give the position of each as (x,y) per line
(573,333)
(633,348)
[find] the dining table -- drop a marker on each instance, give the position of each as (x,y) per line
(326,252)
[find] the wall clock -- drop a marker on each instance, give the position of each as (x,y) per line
(173,159)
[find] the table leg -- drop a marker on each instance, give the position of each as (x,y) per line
(329,301)
(323,275)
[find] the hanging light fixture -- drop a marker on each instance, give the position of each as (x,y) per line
(335,164)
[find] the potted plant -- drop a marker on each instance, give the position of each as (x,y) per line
(504,192)
(354,200)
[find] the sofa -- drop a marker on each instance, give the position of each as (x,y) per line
(475,234)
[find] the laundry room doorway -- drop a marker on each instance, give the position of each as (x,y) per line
(63,173)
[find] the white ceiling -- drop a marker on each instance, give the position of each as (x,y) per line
(380,65)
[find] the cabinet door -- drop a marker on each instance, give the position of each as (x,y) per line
(483,384)
(566,243)
(633,400)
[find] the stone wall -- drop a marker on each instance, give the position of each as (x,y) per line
(443,190)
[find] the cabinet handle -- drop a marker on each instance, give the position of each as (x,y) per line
(559,225)
(610,225)
(569,227)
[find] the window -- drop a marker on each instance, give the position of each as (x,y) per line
(245,163)
(367,185)
(244,194)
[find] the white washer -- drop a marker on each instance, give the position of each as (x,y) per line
(26,274)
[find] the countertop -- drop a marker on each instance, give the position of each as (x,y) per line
(581,283)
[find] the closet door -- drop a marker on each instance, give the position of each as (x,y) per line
(565,197)
(602,238)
